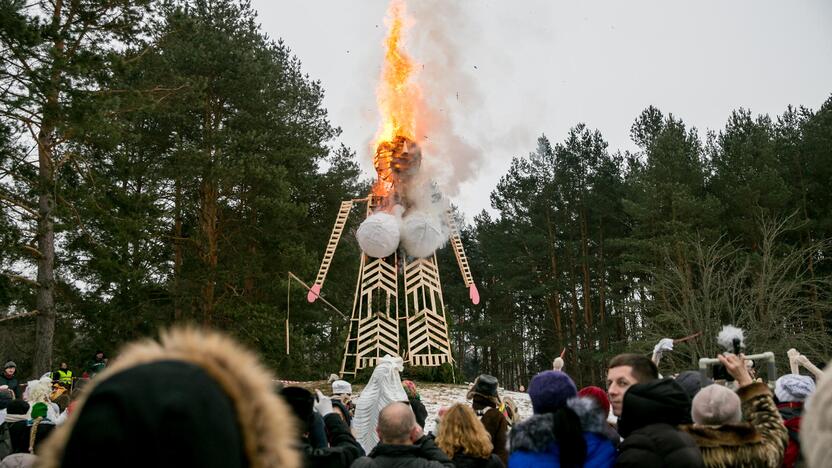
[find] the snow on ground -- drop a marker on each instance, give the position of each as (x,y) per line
(435,396)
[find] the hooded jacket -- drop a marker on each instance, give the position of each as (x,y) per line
(759,441)
(649,418)
(191,399)
(533,441)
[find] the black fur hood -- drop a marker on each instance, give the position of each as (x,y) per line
(537,432)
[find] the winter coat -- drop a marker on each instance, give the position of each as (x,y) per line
(20,433)
(533,441)
(649,418)
(191,398)
(11,382)
(19,460)
(759,441)
(462,460)
(495,424)
(343,450)
(5,440)
(792,414)
(419,411)
(424,454)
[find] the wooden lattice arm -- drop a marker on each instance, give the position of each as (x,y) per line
(337,230)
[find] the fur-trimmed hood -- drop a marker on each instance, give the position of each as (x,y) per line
(264,430)
(726,435)
(536,433)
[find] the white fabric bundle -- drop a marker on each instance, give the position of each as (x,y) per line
(378,235)
(423,233)
(384,387)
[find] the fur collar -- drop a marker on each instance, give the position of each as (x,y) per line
(726,435)
(268,435)
(535,434)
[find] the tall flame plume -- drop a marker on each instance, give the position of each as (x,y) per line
(397,97)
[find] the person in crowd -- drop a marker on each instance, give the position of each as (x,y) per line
(691,381)
(485,402)
(624,371)
(415,400)
(97,365)
(27,436)
(650,411)
(791,391)
(342,391)
(342,411)
(816,423)
(40,391)
(463,438)
(603,402)
(16,411)
(9,379)
(402,443)
(383,388)
(63,376)
(344,449)
(192,398)
(564,431)
(724,437)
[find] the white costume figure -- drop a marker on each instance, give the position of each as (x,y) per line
(384,387)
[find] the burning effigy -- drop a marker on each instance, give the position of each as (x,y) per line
(407,220)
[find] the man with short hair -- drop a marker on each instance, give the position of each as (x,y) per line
(624,371)
(402,443)
(649,411)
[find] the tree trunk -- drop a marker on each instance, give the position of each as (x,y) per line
(45,298)
(208,218)
(177,251)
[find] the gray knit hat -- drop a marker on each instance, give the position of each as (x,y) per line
(792,387)
(715,405)
(10,365)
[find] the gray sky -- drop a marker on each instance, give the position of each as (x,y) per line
(501,73)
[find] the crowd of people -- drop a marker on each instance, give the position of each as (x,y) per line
(196,398)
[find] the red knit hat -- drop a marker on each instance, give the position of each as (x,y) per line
(599,395)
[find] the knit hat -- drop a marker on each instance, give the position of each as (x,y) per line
(39,410)
(340,387)
(344,410)
(410,389)
(18,407)
(302,403)
(793,388)
(715,405)
(549,391)
(599,395)
(691,381)
(10,365)
(486,385)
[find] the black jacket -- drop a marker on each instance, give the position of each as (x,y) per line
(649,418)
(424,454)
(11,382)
(419,411)
(465,461)
(343,450)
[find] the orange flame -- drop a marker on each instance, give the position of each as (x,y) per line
(397,96)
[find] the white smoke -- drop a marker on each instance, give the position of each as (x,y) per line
(728,334)
(425,227)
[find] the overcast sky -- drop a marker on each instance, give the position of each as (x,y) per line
(504,72)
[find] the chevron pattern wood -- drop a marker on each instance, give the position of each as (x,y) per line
(374,325)
(427,329)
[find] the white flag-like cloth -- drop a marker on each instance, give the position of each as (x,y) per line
(384,387)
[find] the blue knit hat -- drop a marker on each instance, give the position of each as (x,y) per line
(549,391)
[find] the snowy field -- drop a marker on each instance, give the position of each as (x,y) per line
(434,396)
